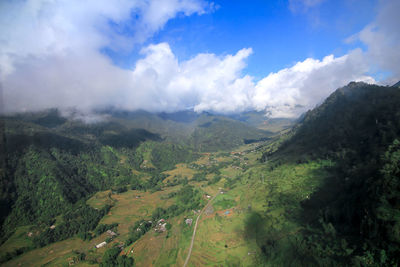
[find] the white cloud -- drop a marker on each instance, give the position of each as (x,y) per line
(159,82)
(291,91)
(44,28)
(49,57)
(50,49)
(209,82)
(382,38)
(205,82)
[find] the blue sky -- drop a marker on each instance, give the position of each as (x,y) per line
(280,57)
(278,35)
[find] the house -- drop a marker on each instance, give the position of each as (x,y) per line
(189,221)
(52,227)
(111,233)
(102,244)
(161,226)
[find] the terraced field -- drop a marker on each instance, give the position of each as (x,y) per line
(221,234)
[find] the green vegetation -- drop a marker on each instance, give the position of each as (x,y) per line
(101,228)
(218,133)
(353,216)
(166,155)
(325,193)
(111,258)
(224,202)
(79,220)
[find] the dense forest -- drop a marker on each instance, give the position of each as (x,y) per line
(354,217)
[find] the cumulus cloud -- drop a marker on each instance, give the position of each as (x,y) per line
(50,57)
(159,82)
(291,91)
(382,38)
(50,49)
(209,82)
(44,28)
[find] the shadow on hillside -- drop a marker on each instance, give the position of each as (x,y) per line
(130,139)
(19,142)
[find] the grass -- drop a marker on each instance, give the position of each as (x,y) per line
(101,199)
(165,249)
(18,240)
(223,202)
(129,209)
(181,170)
(275,191)
(221,240)
(54,255)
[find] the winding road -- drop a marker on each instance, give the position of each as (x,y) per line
(195,228)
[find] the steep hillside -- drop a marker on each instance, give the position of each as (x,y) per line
(397,84)
(48,168)
(358,117)
(259,120)
(215,133)
(69,160)
(358,129)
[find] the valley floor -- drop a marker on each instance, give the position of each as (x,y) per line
(223,236)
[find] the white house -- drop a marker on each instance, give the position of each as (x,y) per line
(102,244)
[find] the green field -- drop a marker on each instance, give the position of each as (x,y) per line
(221,237)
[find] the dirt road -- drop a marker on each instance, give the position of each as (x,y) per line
(195,228)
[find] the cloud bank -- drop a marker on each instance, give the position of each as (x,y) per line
(50,57)
(382,37)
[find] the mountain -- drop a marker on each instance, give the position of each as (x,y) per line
(187,116)
(259,120)
(213,133)
(70,160)
(357,129)
(324,192)
(358,117)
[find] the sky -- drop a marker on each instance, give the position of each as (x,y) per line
(282,57)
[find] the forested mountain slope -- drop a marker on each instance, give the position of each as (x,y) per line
(358,117)
(50,163)
(358,129)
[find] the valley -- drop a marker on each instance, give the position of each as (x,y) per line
(221,235)
(190,133)
(110,194)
